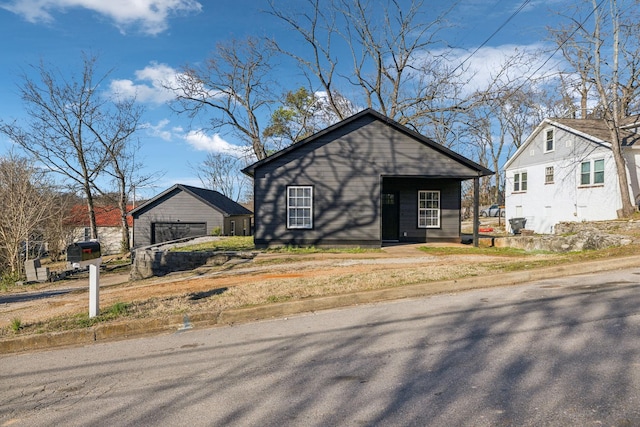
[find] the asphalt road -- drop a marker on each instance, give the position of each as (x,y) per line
(562,352)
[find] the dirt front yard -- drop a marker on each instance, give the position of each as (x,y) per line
(265,279)
(271,278)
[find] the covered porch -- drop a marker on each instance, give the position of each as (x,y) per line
(423,209)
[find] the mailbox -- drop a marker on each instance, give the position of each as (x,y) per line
(84,253)
(87,254)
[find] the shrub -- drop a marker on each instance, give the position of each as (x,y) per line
(16,324)
(7,280)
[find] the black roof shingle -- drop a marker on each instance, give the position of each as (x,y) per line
(211,197)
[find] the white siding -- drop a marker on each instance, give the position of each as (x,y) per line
(110,238)
(544,205)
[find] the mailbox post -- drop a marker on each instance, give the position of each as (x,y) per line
(83,254)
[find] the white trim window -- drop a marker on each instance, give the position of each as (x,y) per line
(592,172)
(300,207)
(519,182)
(548,175)
(549,141)
(428,209)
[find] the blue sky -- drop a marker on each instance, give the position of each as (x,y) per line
(147,43)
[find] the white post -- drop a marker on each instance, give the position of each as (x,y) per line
(94,285)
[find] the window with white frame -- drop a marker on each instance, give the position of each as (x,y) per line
(598,171)
(548,175)
(592,172)
(428,209)
(519,182)
(549,144)
(300,207)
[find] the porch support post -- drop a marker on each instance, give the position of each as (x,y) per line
(476,209)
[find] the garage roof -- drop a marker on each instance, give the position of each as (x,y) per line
(211,197)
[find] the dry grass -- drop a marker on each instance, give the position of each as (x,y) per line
(289,276)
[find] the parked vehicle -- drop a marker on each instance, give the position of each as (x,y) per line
(493,210)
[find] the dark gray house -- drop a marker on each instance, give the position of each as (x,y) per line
(361,182)
(186,211)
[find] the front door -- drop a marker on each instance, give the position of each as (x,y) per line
(390,216)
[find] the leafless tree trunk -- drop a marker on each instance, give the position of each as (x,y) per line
(115,131)
(610,99)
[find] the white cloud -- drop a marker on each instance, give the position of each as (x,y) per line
(148,85)
(199,140)
(160,131)
(150,15)
(485,64)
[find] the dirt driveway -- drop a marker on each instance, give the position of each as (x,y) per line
(266,278)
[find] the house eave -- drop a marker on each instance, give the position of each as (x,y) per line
(184,188)
(477,168)
(546,123)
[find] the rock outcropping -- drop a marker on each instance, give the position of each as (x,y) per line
(578,236)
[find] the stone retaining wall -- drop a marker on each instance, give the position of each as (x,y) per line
(150,262)
(577,236)
(610,227)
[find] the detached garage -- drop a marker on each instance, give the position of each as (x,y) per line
(185,211)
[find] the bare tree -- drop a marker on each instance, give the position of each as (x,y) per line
(28,202)
(115,131)
(522,109)
(317,27)
(71,129)
(481,138)
(391,66)
(503,114)
(234,84)
(57,231)
(578,57)
(219,171)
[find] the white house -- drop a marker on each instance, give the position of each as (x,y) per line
(565,171)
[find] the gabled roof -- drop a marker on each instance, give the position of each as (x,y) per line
(592,130)
(599,129)
(481,170)
(106,216)
(216,200)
